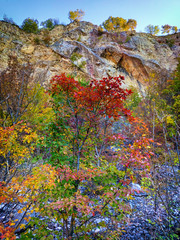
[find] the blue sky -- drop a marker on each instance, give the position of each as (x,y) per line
(155,12)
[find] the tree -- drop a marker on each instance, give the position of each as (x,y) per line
(8,20)
(131,24)
(174,29)
(84,108)
(166,28)
(152,29)
(76,140)
(81,182)
(115,24)
(15,92)
(50,23)
(160,110)
(76,15)
(30,25)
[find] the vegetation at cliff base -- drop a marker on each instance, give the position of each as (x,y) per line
(75,157)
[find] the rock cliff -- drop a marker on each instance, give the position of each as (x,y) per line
(86,51)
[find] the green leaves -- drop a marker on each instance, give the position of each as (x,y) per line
(30,25)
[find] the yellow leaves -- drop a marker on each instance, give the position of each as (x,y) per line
(76,15)
(43,178)
(13,141)
(27,218)
(22,226)
(36,209)
(169,119)
(66,185)
(12,224)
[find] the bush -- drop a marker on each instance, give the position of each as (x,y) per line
(36,40)
(76,15)
(50,23)
(30,25)
(46,37)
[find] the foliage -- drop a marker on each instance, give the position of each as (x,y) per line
(94,149)
(174,29)
(22,192)
(152,29)
(30,25)
(16,91)
(114,24)
(170,42)
(39,113)
(77,60)
(15,147)
(75,56)
(78,136)
(50,23)
(37,40)
(118,24)
(131,24)
(46,36)
(172,93)
(8,20)
(76,15)
(133,100)
(101,100)
(166,28)
(162,118)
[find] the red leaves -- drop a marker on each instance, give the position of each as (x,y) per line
(101,97)
(66,173)
(7,232)
(137,154)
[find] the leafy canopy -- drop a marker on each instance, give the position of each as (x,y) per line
(76,15)
(50,23)
(152,29)
(118,24)
(30,25)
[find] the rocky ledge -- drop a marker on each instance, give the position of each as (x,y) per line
(86,51)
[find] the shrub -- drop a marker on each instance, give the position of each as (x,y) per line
(76,15)
(46,37)
(152,29)
(30,25)
(50,23)
(36,40)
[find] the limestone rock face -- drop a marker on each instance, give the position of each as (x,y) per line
(84,50)
(27,49)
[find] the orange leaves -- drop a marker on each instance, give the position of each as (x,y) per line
(4,196)
(66,173)
(138,153)
(67,205)
(42,177)
(6,232)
